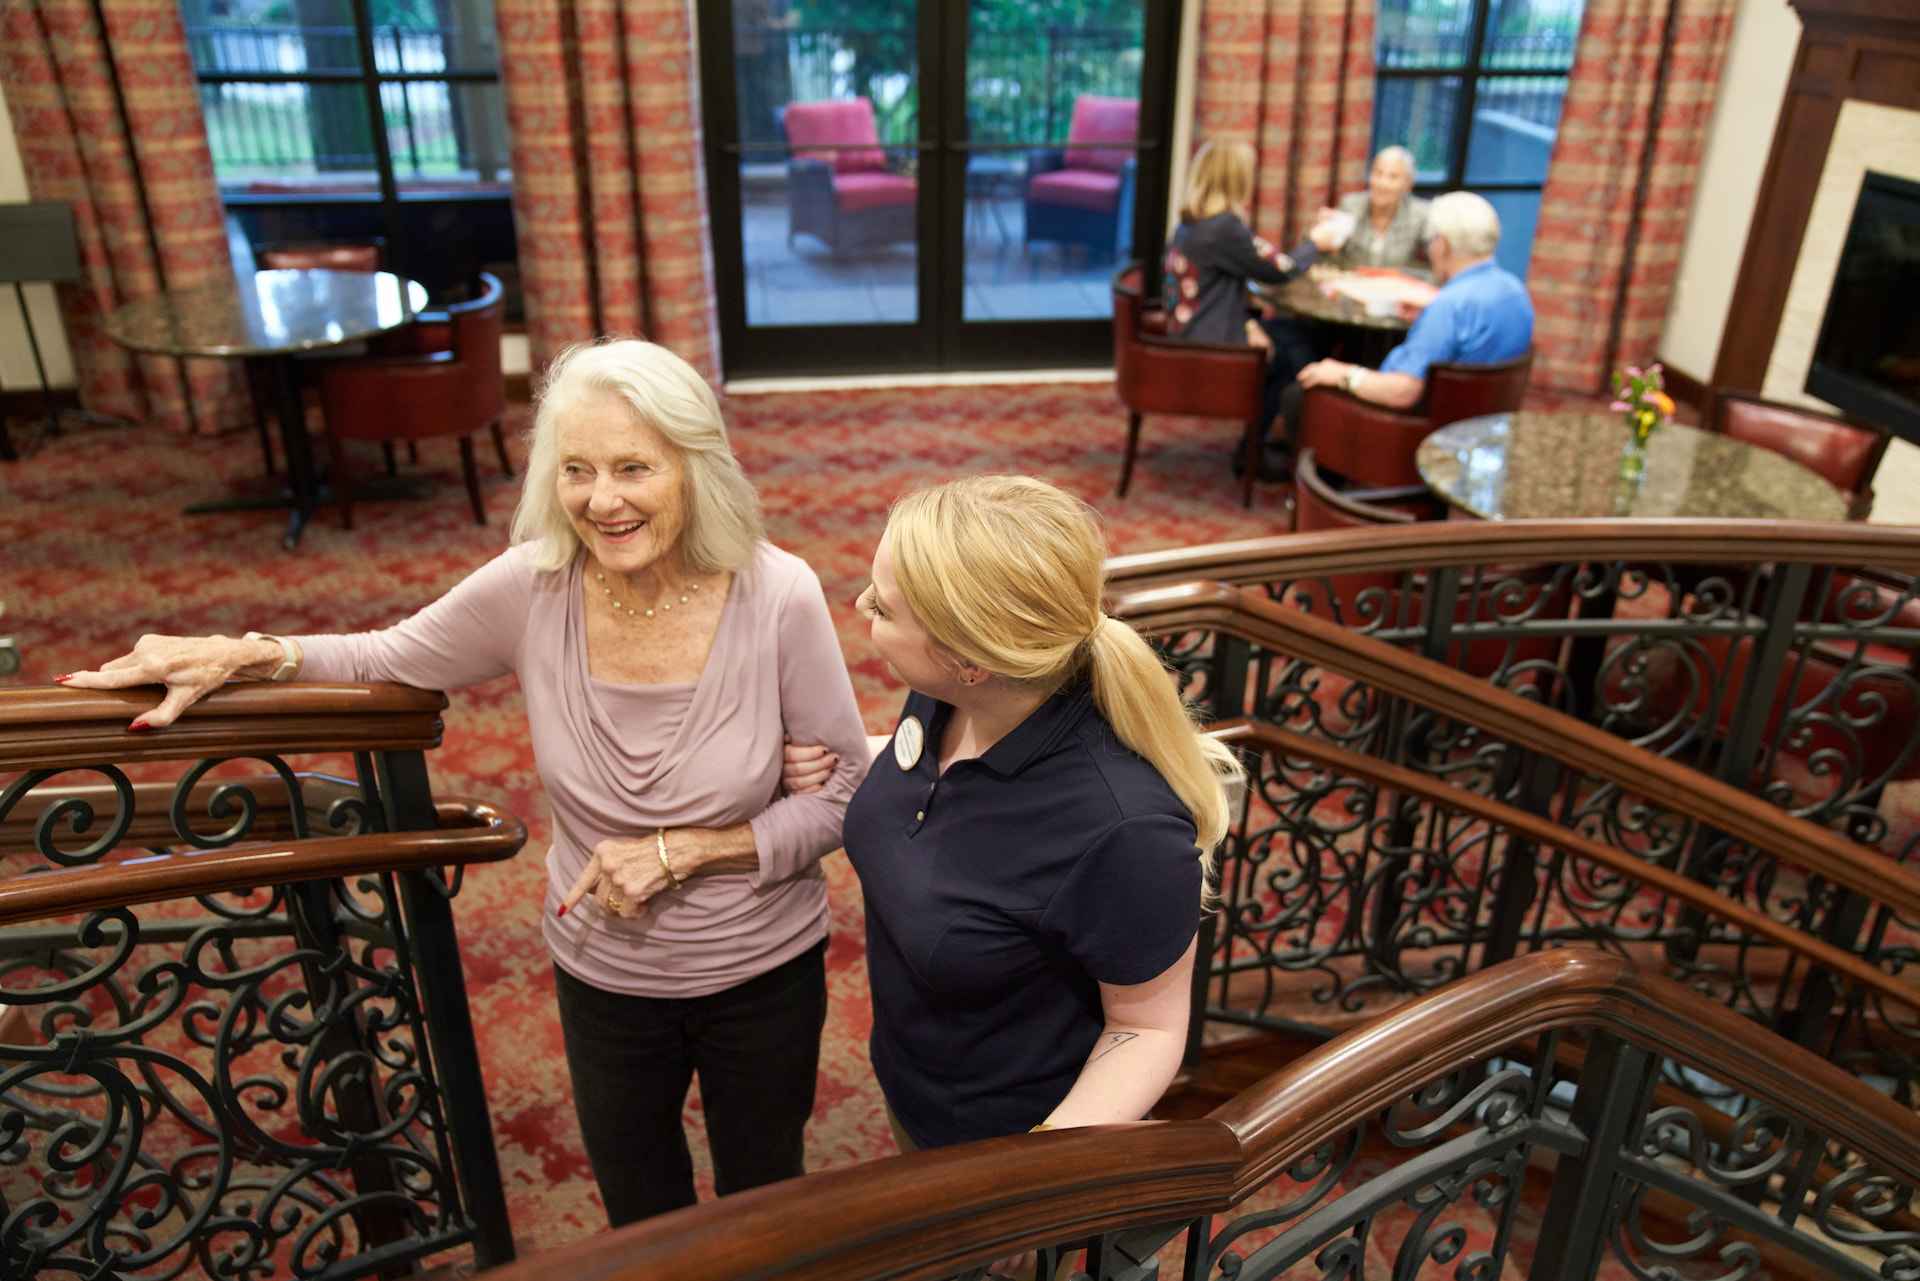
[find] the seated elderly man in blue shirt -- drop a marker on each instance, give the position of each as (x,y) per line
(1482,315)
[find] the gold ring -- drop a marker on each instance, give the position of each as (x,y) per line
(613,904)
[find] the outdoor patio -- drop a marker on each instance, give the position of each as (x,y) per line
(805,283)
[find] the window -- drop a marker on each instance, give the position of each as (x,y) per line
(1473,88)
(341,120)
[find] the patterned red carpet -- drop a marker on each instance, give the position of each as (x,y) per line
(98,552)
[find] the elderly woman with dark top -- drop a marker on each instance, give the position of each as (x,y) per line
(1389,222)
(1209,262)
(664,648)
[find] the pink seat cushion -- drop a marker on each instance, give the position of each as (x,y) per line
(842,122)
(873,190)
(1098,119)
(1094,189)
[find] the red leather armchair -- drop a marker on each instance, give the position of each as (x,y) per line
(1844,454)
(1373,445)
(452,392)
(840,190)
(1084,194)
(1154,374)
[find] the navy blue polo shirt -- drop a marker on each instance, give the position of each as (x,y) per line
(998,898)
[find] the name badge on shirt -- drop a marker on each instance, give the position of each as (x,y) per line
(908,741)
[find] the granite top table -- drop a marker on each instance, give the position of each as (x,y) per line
(1567,465)
(272,316)
(1356,334)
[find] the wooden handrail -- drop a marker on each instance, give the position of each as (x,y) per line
(470,832)
(63,728)
(1434,544)
(1546,832)
(1392,670)
(929,1213)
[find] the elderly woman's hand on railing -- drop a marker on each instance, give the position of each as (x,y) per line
(191,667)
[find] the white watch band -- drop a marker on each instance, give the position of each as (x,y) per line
(288,663)
(1352,380)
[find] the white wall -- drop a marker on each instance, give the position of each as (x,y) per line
(1753,84)
(16,357)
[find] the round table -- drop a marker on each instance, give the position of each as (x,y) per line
(1373,336)
(271,316)
(1567,465)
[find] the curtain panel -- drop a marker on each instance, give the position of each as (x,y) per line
(1295,79)
(1619,188)
(608,190)
(107,115)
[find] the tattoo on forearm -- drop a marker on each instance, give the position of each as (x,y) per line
(1109,1043)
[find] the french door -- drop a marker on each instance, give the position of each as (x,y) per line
(905,185)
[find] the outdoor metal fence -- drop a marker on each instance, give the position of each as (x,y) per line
(1021,83)
(288,128)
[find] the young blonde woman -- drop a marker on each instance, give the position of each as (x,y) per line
(1210,259)
(1031,841)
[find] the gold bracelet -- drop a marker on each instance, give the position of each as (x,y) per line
(1042,1126)
(660,842)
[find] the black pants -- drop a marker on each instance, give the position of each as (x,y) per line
(757,1050)
(1293,349)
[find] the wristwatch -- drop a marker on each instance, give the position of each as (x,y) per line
(1352,380)
(288,663)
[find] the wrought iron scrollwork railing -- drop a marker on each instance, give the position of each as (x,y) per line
(1409,1148)
(1470,824)
(233,1030)
(1775,655)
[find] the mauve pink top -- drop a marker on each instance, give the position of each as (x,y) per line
(619,761)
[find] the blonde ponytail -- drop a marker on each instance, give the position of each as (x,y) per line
(1132,690)
(1008,572)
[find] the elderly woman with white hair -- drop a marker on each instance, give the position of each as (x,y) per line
(1389,221)
(664,648)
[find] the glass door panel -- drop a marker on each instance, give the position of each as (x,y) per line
(1052,117)
(827,105)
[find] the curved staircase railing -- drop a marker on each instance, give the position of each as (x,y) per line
(234,1031)
(1776,655)
(1409,823)
(1411,1147)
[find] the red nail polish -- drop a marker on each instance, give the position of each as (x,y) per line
(66,676)
(562,911)
(137,727)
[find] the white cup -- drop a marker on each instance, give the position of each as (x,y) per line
(1342,224)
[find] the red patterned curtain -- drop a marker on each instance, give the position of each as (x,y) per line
(107,115)
(1295,78)
(1614,211)
(608,195)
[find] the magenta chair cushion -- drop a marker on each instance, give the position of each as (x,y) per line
(840,122)
(873,190)
(1098,119)
(1079,188)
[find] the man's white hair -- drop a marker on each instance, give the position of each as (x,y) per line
(1468,222)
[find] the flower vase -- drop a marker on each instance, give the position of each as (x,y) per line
(1633,461)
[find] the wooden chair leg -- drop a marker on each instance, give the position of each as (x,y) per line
(1252,469)
(342,491)
(386,449)
(413,452)
(1133,446)
(473,480)
(500,448)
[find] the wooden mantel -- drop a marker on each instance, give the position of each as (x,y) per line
(1864,49)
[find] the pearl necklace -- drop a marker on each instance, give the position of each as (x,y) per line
(631,613)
